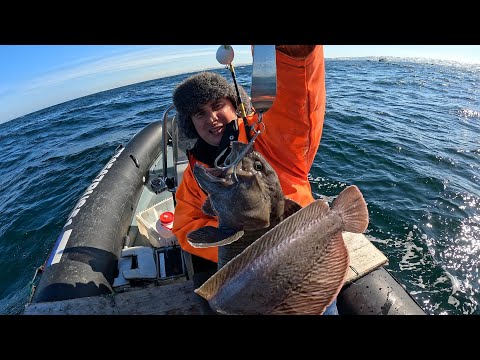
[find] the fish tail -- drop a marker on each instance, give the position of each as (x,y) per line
(352,208)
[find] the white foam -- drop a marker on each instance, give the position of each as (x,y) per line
(440,280)
(453,301)
(456,284)
(412,252)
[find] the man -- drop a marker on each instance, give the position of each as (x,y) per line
(207,109)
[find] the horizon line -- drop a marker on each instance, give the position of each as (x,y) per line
(387,57)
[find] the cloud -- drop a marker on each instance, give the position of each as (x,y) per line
(86,75)
(129,61)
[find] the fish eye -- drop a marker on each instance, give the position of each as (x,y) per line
(258,166)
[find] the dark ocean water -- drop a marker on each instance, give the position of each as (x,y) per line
(406,132)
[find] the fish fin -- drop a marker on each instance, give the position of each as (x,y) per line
(207,208)
(352,208)
(209,236)
(323,283)
(290,207)
(300,220)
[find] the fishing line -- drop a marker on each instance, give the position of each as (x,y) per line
(225,57)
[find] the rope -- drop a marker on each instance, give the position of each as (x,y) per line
(32,283)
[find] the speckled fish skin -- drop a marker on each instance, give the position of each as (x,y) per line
(246,208)
(298,267)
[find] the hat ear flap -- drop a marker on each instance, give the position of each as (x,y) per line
(185,126)
(185,142)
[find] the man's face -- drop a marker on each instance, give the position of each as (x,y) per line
(211,119)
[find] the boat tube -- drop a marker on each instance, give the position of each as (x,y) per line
(377,293)
(84,259)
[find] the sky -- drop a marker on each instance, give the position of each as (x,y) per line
(33,77)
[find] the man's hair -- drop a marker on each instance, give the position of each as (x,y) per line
(199,89)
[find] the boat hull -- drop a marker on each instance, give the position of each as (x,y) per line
(377,293)
(84,259)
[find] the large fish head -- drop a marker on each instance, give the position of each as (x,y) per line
(251,200)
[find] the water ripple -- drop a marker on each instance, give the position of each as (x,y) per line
(405,132)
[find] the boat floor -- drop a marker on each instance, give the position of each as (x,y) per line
(178,298)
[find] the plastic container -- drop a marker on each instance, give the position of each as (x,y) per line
(158,233)
(166,219)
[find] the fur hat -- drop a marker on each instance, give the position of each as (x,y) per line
(199,89)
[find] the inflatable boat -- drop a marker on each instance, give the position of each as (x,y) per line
(116,253)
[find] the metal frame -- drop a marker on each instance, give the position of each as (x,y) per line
(187,259)
(165,139)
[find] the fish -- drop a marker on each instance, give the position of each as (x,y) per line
(297,267)
(246,204)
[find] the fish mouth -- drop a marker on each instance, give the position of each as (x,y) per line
(213,174)
(207,176)
(243,174)
(222,177)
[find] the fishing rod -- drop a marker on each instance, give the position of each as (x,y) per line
(225,55)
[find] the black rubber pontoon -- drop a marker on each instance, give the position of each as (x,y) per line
(84,259)
(377,293)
